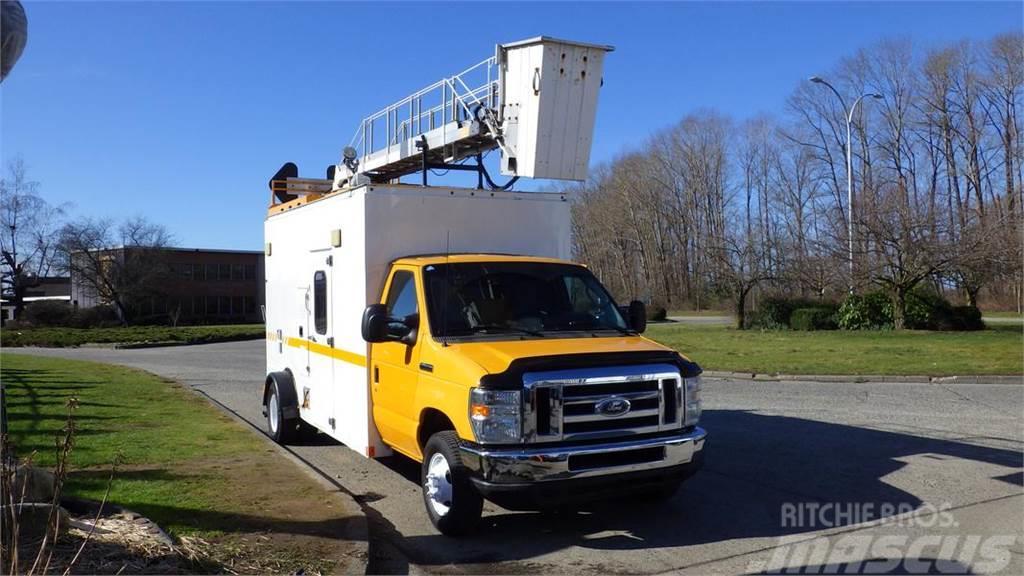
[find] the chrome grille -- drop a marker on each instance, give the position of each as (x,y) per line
(588,403)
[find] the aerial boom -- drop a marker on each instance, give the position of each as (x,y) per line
(535,101)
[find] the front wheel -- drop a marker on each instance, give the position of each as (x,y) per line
(282,430)
(453,504)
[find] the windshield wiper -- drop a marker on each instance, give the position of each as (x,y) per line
(623,331)
(486,327)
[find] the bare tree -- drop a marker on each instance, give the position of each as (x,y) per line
(28,240)
(120,266)
(904,249)
(705,214)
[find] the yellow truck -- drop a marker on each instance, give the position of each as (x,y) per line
(450,325)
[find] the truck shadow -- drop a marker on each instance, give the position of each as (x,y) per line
(758,466)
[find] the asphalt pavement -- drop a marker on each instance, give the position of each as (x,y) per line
(798,474)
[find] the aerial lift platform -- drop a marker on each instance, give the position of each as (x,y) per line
(535,101)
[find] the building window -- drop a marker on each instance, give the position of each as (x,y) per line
(211,271)
(236,306)
(211,305)
(236,272)
(320,301)
(250,304)
(250,271)
(198,306)
(225,272)
(225,306)
(198,272)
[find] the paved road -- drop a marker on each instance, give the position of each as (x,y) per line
(953,453)
(704,320)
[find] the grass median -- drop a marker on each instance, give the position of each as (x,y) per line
(997,350)
(61,337)
(181,463)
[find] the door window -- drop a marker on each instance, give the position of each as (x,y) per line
(402,295)
(320,302)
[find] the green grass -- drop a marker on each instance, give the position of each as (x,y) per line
(998,350)
(164,437)
(182,463)
(1004,314)
(63,337)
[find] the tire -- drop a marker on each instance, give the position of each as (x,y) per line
(453,504)
(282,430)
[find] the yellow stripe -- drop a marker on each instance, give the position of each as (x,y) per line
(337,354)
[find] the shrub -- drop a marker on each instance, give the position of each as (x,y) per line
(657,314)
(47,313)
(95,317)
(774,313)
(818,318)
(872,311)
(967,318)
(925,310)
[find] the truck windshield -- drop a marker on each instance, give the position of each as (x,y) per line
(525,298)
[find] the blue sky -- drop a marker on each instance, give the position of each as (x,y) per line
(182,111)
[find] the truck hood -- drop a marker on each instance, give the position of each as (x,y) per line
(495,357)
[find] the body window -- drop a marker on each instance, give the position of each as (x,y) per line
(320,302)
(402,295)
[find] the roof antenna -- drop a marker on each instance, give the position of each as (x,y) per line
(447,277)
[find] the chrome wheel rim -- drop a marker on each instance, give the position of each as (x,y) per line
(438,484)
(272,413)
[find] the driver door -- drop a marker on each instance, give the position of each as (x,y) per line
(395,367)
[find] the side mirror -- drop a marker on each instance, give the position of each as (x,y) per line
(637,316)
(377,326)
(375,323)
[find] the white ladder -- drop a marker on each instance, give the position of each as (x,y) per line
(456,117)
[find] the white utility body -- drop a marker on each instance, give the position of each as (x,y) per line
(345,241)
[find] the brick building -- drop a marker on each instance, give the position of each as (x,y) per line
(200,286)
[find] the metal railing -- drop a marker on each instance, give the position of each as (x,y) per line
(456,101)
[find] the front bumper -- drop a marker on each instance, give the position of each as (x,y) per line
(563,473)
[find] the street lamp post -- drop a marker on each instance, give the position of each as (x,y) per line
(849,161)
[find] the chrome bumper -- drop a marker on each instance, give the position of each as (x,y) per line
(528,465)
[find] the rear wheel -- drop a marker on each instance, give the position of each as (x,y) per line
(453,504)
(282,430)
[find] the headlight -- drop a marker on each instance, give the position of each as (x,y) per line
(692,401)
(495,415)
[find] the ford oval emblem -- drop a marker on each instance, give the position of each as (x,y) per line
(612,407)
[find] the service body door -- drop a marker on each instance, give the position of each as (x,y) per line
(317,399)
(395,368)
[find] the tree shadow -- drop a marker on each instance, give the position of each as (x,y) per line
(755,465)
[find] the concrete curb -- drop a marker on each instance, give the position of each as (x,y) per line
(965,379)
(140,345)
(174,343)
